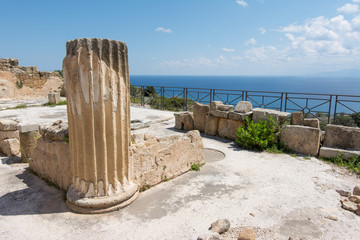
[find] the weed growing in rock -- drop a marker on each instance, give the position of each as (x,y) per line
(19,84)
(53,104)
(195,167)
(144,188)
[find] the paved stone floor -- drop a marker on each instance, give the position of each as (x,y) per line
(286,196)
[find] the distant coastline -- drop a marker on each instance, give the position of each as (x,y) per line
(303,84)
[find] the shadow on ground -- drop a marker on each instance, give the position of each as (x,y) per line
(35,197)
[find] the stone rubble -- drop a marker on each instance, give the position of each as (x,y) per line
(247,234)
(351,203)
(220,226)
(9,137)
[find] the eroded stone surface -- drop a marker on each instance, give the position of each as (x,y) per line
(312,122)
(184,121)
(10,147)
(237,116)
(28,142)
(220,114)
(264,115)
(8,125)
(342,137)
(244,107)
(96,75)
(247,234)
(159,159)
(8,134)
(220,226)
(329,152)
(356,190)
(304,140)
(54,98)
(200,113)
(211,125)
(297,118)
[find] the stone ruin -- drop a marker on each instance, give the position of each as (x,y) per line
(302,135)
(94,157)
(28,76)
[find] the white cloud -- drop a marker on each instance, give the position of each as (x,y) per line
(242,3)
(161,29)
(356,22)
(356,1)
(196,62)
(262,30)
(349,8)
(228,49)
(251,41)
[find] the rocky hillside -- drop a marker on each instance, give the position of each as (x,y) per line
(20,82)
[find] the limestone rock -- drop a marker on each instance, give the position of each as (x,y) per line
(264,115)
(200,113)
(8,134)
(356,190)
(184,121)
(10,147)
(237,116)
(8,125)
(329,152)
(211,125)
(331,218)
(228,128)
(28,128)
(358,212)
(343,193)
(209,236)
(297,118)
(156,159)
(215,104)
(220,226)
(58,131)
(225,107)
(304,140)
(220,114)
(54,98)
(342,137)
(348,205)
(28,142)
(312,122)
(247,234)
(355,199)
(243,107)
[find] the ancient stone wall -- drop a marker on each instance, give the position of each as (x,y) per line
(27,76)
(159,159)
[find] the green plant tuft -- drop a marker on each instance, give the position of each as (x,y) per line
(195,167)
(353,163)
(19,84)
(144,188)
(256,136)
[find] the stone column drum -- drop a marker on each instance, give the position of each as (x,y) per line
(97,84)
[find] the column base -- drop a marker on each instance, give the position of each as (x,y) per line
(99,205)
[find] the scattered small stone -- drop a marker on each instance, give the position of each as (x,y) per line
(331,217)
(220,226)
(358,211)
(252,214)
(209,236)
(247,234)
(343,193)
(356,190)
(347,205)
(355,199)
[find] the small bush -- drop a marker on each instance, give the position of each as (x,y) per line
(19,84)
(256,136)
(195,167)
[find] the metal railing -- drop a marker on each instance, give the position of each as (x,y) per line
(325,107)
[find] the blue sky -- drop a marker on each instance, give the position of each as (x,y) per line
(191,37)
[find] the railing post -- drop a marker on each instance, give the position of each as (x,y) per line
(185,96)
(286,98)
(330,103)
(162,96)
(210,96)
(142,95)
(246,95)
(242,96)
(336,102)
(281,102)
(214,94)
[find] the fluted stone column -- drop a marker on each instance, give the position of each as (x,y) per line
(97,84)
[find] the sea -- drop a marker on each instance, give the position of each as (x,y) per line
(296,84)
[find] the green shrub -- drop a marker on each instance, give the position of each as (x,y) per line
(256,136)
(19,84)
